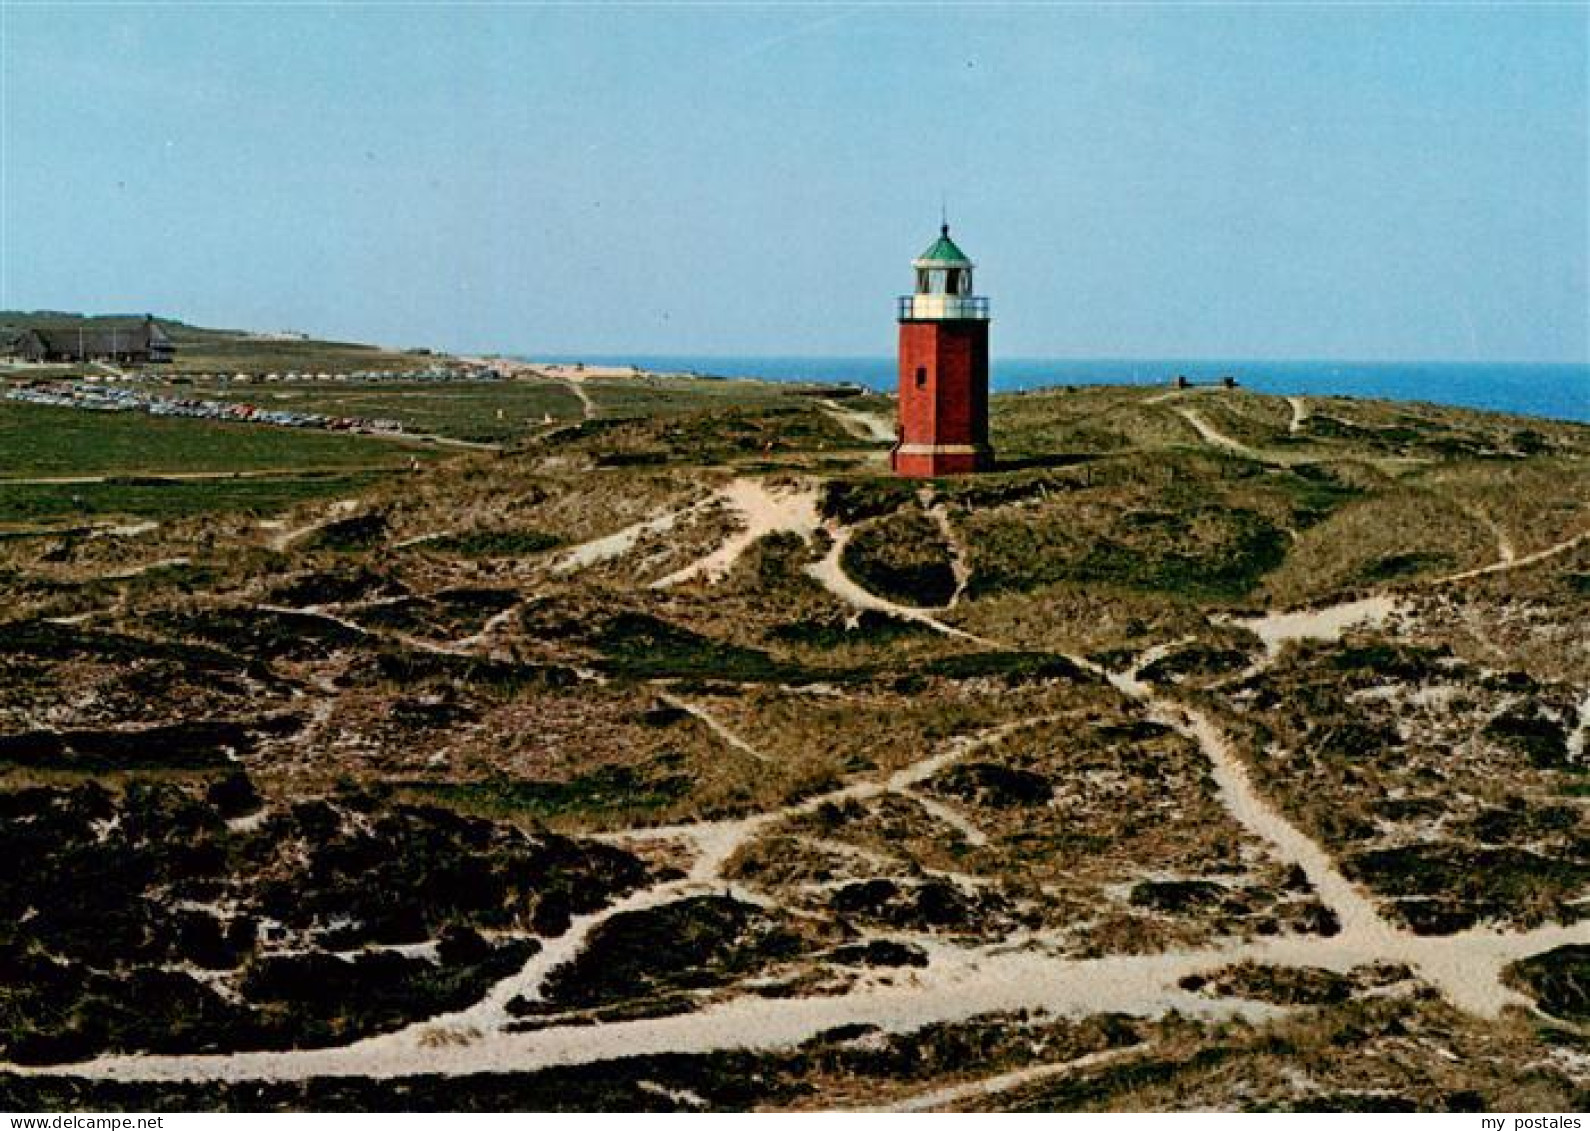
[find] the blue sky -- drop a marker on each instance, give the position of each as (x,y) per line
(1374,181)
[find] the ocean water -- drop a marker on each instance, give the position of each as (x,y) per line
(1560,392)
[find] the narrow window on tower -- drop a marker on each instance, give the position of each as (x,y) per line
(921,376)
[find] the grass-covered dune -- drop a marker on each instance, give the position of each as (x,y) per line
(1176,762)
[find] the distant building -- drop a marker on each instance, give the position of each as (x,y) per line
(139,343)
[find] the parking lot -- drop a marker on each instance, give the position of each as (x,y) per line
(122,398)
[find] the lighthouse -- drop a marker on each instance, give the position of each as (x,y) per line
(943,426)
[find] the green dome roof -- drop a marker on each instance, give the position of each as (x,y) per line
(944,251)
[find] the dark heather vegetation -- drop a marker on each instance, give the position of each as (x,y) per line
(295,913)
(1368,784)
(1279,985)
(903,557)
(290,761)
(1558,980)
(662,955)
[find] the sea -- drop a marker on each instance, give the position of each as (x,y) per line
(1560,392)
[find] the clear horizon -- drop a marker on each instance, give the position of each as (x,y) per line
(1368,184)
(1502,362)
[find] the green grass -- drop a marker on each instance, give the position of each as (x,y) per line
(1192,551)
(480,411)
(608,789)
(492,543)
(504,411)
(640,646)
(669,396)
(753,438)
(172,499)
(44,440)
(247,355)
(201,350)
(902,557)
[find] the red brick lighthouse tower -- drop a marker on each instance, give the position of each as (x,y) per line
(943,368)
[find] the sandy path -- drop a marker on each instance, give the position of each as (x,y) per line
(1506,553)
(1299,414)
(488,629)
(1465,967)
(715,725)
(830,573)
(764,510)
(1214,436)
(318,613)
(147,567)
(421,539)
(478,1044)
(947,815)
(126,530)
(567,375)
(77,618)
(413,438)
(1361,922)
(1579,740)
(464,647)
(490,1014)
(576,384)
(959,567)
(340,509)
(1362,926)
(959,982)
(956,985)
(713,842)
(621,542)
(761,510)
(954,1094)
(1328,623)
(863,425)
(1516,562)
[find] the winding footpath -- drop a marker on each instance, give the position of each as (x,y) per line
(760,510)
(1021,973)
(954,1094)
(1214,437)
(716,725)
(1516,561)
(863,425)
(830,573)
(284,538)
(620,542)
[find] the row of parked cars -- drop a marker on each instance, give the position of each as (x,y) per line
(104,398)
(432,374)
